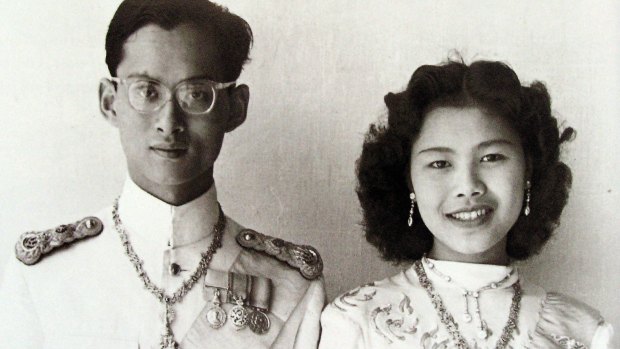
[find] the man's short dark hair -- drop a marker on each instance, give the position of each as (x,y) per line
(232,33)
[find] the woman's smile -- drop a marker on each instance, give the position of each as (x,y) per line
(470,217)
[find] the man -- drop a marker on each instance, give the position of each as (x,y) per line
(164,267)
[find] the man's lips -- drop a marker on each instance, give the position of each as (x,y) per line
(170,151)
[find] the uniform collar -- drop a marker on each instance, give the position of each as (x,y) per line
(164,225)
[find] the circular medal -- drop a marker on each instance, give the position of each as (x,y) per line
(239,317)
(216,316)
(259,322)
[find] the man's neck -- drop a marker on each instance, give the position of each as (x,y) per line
(179,194)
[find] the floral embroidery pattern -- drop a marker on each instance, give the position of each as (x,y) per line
(395,323)
(348,298)
(429,340)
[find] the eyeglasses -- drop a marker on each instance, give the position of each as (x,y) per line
(195,97)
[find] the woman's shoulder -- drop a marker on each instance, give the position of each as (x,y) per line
(374,294)
(375,314)
(565,321)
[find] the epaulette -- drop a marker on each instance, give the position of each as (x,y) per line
(32,245)
(302,257)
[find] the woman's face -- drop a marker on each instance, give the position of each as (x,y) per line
(468,174)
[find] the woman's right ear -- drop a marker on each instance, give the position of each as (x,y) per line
(107,94)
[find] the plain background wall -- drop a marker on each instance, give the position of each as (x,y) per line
(318,75)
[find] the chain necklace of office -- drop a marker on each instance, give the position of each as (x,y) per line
(167,337)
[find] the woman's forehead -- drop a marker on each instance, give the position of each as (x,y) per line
(464,127)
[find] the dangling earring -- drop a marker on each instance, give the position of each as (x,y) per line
(410,220)
(528,195)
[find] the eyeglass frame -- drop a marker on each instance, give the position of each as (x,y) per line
(215,86)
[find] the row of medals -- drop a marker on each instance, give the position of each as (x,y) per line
(241,315)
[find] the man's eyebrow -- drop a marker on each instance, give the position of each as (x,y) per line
(146,75)
(142,75)
(437,149)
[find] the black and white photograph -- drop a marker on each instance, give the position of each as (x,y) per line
(297,174)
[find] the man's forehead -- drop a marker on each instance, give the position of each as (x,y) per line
(182,52)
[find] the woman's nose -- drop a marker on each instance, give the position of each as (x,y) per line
(468,183)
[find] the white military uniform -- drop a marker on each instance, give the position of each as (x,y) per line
(397,313)
(89,295)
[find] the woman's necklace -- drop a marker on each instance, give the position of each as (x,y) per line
(167,337)
(448,321)
(483,330)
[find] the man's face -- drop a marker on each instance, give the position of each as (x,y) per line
(169,146)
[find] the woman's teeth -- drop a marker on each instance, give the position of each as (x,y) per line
(469,216)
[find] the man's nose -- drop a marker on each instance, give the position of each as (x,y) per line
(170,119)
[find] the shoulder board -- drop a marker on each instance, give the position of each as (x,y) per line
(32,245)
(304,258)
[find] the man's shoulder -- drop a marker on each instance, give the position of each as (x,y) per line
(36,247)
(279,256)
(271,271)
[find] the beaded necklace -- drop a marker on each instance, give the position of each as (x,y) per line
(448,320)
(483,330)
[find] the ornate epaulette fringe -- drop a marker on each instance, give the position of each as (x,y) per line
(304,258)
(32,245)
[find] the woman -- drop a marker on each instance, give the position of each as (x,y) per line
(463,179)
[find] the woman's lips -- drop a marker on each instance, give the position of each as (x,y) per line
(471,216)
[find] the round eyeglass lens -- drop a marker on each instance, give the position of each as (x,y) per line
(195,97)
(146,96)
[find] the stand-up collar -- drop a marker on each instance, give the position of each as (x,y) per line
(470,276)
(163,225)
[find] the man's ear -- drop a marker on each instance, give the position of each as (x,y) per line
(107,94)
(239,99)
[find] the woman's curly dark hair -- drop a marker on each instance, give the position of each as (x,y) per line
(383,167)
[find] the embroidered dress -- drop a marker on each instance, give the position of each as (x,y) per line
(397,313)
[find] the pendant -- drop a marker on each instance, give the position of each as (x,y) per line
(167,315)
(239,315)
(259,322)
(167,337)
(483,331)
(168,342)
(216,316)
(467,317)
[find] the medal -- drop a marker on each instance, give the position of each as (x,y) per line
(259,322)
(239,314)
(216,316)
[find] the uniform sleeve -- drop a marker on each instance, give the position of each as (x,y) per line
(339,331)
(20,326)
(566,322)
(302,328)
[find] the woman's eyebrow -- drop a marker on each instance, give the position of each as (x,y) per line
(499,141)
(437,149)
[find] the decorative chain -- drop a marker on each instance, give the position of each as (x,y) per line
(448,320)
(167,340)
